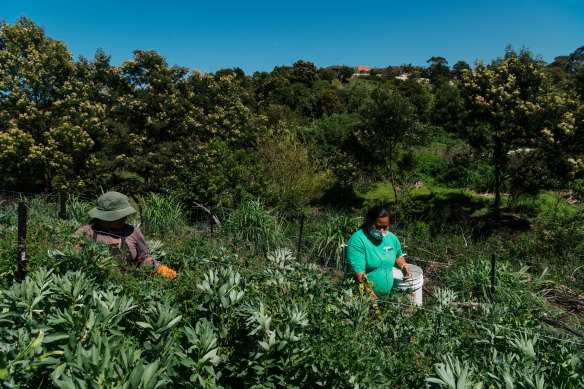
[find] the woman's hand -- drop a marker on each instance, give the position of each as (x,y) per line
(404,267)
(407,271)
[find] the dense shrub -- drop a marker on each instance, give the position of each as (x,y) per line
(578,188)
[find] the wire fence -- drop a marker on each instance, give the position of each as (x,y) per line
(206,221)
(203,218)
(477,252)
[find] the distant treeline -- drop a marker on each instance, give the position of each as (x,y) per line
(297,135)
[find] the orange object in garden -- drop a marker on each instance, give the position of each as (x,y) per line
(166,270)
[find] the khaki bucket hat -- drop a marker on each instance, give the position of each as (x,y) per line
(112,206)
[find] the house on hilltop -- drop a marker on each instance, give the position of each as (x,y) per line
(388,71)
(363,70)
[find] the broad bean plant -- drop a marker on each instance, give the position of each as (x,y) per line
(235,319)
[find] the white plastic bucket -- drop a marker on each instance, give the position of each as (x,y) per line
(414,283)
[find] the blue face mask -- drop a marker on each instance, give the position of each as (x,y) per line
(378,234)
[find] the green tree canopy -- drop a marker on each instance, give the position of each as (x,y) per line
(512,105)
(438,72)
(447,108)
(346,72)
(458,68)
(388,119)
(304,72)
(48,115)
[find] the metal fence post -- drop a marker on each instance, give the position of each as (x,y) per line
(21,270)
(492,275)
(63,205)
(300,237)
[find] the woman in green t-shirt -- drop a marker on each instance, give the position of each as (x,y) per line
(373,251)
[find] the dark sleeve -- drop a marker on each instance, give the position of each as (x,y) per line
(143,256)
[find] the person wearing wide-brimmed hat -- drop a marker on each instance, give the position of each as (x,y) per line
(108,225)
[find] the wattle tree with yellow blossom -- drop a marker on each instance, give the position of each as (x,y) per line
(48,122)
(514,111)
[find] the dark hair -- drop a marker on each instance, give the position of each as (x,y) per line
(374,214)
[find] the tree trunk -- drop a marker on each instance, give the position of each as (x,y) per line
(497,165)
(497,204)
(391,175)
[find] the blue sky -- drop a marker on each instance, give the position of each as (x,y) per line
(258,35)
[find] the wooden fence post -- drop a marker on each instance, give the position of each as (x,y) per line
(21,260)
(63,205)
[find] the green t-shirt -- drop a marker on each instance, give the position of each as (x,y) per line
(374,257)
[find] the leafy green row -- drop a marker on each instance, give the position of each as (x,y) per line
(286,325)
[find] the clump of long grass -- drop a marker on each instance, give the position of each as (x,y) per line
(253,223)
(78,210)
(328,235)
(162,215)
